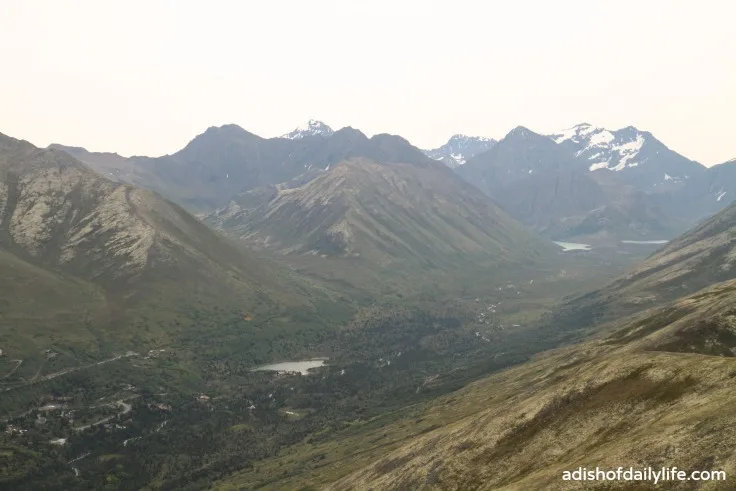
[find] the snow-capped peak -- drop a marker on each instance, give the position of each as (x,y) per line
(459,148)
(461,139)
(311,128)
(604,149)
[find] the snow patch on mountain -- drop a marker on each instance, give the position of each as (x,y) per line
(612,150)
(311,128)
(459,158)
(627,152)
(576,134)
(601,138)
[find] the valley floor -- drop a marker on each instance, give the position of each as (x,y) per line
(116,420)
(644,393)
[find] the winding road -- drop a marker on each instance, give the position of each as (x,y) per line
(51,376)
(126,409)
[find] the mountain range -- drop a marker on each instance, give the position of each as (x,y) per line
(320,199)
(321,196)
(340,209)
(586,183)
(591,184)
(225,161)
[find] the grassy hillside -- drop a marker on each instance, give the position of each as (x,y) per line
(643,395)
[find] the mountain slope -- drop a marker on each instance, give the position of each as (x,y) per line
(58,212)
(363,207)
(721,189)
(704,255)
(369,223)
(708,194)
(536,181)
(113,166)
(459,148)
(632,215)
(650,393)
(118,267)
(701,257)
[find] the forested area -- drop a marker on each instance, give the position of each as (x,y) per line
(199,415)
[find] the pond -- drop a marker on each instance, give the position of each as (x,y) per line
(645,242)
(302,367)
(572,246)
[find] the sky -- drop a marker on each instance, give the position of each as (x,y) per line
(145,77)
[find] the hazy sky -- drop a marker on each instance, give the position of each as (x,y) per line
(144,77)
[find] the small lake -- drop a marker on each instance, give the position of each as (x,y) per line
(572,246)
(302,367)
(645,242)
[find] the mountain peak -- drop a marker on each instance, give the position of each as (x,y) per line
(214,136)
(613,150)
(312,127)
(225,129)
(521,132)
(583,132)
(575,134)
(459,148)
(461,137)
(627,149)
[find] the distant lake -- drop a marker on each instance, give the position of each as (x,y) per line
(654,242)
(302,367)
(572,246)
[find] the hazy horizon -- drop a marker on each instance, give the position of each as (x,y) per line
(144,78)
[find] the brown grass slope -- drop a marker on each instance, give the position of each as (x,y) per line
(657,390)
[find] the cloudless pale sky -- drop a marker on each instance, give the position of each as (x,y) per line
(145,77)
